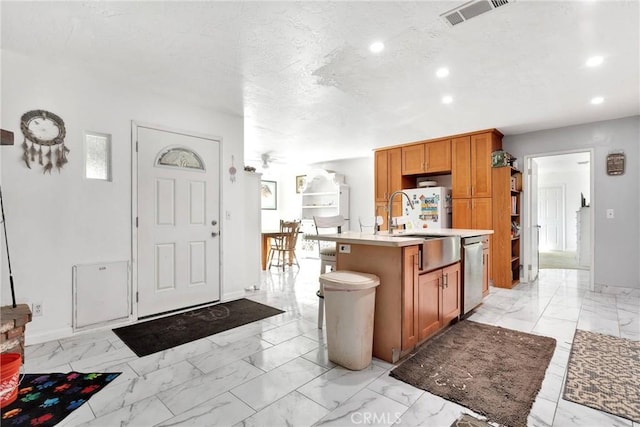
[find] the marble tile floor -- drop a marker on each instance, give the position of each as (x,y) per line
(275,372)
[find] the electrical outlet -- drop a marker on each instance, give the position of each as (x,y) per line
(345,249)
(36,309)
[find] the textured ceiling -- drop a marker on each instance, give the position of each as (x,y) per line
(309,89)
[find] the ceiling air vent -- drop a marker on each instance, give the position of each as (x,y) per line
(471,10)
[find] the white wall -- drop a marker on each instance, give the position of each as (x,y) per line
(616,241)
(59,220)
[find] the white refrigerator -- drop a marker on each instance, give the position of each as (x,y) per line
(431,208)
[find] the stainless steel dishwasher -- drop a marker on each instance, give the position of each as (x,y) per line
(472,248)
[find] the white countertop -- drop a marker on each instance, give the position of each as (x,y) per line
(398,239)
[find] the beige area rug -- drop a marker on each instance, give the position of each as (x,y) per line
(493,371)
(604,373)
(560,259)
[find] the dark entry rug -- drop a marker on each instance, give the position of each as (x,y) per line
(46,399)
(604,373)
(160,334)
(493,371)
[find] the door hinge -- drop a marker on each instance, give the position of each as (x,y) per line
(529,267)
(136,222)
(137,299)
(136,146)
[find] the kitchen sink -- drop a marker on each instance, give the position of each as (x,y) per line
(436,251)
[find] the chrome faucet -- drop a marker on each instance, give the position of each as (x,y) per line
(389,207)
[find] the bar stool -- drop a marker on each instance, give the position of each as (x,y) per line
(326,225)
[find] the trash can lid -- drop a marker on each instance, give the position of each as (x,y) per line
(349,280)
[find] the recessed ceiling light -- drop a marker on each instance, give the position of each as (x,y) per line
(594,61)
(442,72)
(447,99)
(376,47)
(597,100)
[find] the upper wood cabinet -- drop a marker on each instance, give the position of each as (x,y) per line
(430,157)
(471,164)
(388,173)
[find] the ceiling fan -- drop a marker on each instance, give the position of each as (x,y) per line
(268,160)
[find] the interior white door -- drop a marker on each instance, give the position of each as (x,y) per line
(178,215)
(534,263)
(551,218)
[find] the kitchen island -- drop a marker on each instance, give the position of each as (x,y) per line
(412,303)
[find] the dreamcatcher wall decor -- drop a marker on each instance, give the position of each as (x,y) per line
(43,129)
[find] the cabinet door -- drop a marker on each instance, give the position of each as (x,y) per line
(481,214)
(450,292)
(381,172)
(428,309)
(461,167)
(413,157)
(482,146)
(395,171)
(409,297)
(461,213)
(438,156)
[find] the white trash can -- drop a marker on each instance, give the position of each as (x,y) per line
(350,300)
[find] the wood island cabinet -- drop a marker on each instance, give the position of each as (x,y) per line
(438,300)
(426,158)
(410,307)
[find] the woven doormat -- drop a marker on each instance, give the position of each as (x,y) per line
(604,373)
(495,372)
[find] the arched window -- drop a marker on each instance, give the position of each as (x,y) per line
(180,157)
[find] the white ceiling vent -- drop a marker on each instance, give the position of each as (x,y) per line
(471,10)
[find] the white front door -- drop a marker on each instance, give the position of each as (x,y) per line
(178,221)
(551,217)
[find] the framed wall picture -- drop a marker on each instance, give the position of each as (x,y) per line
(269,195)
(301,182)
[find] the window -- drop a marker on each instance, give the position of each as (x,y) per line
(180,157)
(97,156)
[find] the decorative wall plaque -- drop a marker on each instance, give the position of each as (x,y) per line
(615,164)
(43,128)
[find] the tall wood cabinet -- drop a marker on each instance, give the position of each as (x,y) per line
(388,178)
(507,188)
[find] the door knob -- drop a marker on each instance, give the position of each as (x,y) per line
(214,234)
(214,222)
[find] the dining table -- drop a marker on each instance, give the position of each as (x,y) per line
(266,235)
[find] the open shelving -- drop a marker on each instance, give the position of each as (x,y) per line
(507,189)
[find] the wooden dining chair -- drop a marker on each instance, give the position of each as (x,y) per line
(284,246)
(327,252)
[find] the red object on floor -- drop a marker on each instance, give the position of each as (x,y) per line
(9,377)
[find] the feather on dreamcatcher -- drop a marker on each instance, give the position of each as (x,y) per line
(43,129)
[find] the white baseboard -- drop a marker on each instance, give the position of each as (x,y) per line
(31,338)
